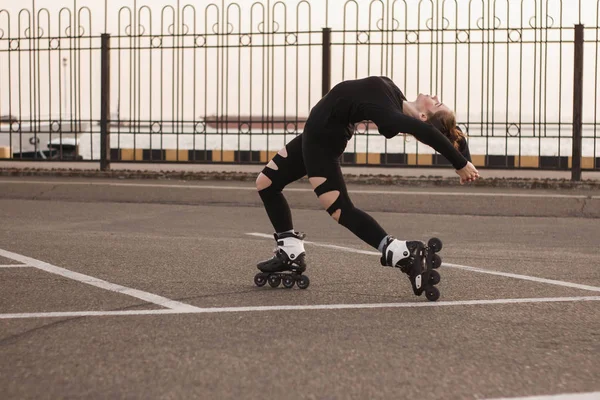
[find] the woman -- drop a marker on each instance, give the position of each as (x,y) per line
(316,153)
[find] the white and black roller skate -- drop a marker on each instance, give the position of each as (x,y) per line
(418,261)
(287,265)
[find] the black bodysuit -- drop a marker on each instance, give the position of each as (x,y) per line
(317,151)
(331,122)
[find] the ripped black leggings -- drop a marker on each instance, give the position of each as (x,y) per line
(315,159)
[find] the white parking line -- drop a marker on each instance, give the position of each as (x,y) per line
(571,396)
(90,280)
(525,277)
(457,266)
(175,307)
(15,266)
(214,310)
(252,188)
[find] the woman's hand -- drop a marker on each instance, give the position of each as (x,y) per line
(468,173)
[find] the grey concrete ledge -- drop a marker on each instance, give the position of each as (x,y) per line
(371,178)
(468,200)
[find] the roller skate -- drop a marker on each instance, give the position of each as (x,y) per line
(418,261)
(287,264)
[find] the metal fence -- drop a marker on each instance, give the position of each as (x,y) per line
(233,82)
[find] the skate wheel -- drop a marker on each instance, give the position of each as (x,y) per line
(436,262)
(434,277)
(260,280)
(432,293)
(303,282)
(435,244)
(288,282)
(274,281)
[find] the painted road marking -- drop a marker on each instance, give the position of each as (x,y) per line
(457,266)
(526,277)
(571,396)
(90,280)
(216,310)
(15,266)
(252,188)
(175,307)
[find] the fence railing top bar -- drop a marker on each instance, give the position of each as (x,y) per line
(457,29)
(49,38)
(200,33)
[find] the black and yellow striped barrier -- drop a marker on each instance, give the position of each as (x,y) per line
(232,156)
(5,152)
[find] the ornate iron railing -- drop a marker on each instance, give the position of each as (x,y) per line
(234,81)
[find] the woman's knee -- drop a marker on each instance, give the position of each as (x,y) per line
(329,197)
(262,182)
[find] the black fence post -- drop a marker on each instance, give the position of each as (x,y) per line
(105,103)
(577,104)
(326,73)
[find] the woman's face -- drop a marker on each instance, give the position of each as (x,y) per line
(427,104)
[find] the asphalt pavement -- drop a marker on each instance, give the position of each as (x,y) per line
(138,289)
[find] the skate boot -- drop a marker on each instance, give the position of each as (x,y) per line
(287,264)
(416,260)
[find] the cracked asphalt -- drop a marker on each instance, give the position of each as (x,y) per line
(519,313)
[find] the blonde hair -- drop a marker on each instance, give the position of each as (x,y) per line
(445,122)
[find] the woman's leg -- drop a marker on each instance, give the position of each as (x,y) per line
(287,166)
(325,176)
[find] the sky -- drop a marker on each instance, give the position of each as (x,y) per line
(510,81)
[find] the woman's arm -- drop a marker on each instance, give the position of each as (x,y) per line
(463,147)
(392,122)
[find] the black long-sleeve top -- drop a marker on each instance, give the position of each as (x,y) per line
(463,147)
(378,99)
